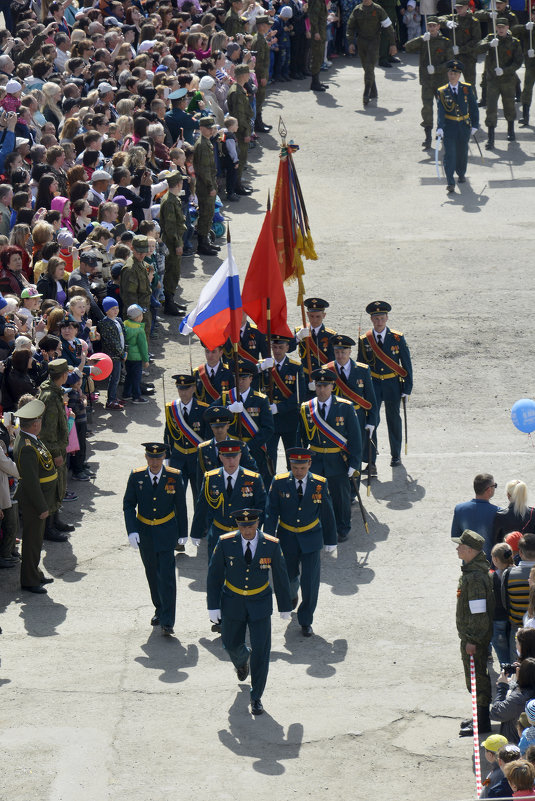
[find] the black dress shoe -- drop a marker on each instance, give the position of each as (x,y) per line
(216,627)
(168,630)
(55,536)
(461,179)
(383,63)
(48,580)
(59,525)
(343,537)
(233,198)
(394,60)
(294,602)
(306,631)
(395,461)
(450,188)
(257,708)
(243,671)
(38,590)
(155,620)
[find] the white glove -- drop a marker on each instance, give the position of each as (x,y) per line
(265,364)
(404,395)
(286,616)
(493,14)
(494,42)
(312,386)
(214,615)
(182,540)
(498,71)
(350,471)
(473,131)
(531,53)
(529,26)
(440,133)
(426,37)
(133,539)
(273,408)
(430,69)
(195,542)
(369,428)
(302,334)
(330,548)
(451,24)
(455,49)
(237,406)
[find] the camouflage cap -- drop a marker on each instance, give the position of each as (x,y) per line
(470,538)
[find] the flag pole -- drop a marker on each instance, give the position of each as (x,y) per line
(236,362)
(268,326)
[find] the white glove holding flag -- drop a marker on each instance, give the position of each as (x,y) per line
(440,133)
(430,69)
(182,540)
(312,386)
(273,408)
(529,26)
(494,42)
(236,407)
(133,539)
(214,615)
(426,37)
(370,429)
(498,71)
(195,542)
(350,471)
(330,548)
(286,615)
(455,49)
(451,24)
(473,131)
(531,53)
(302,334)
(265,364)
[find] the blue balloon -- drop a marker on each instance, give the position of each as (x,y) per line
(523,415)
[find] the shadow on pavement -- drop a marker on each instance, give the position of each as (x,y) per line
(168,655)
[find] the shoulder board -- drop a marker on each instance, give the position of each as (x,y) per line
(441,88)
(318,478)
(139,470)
(204,444)
(361,364)
(464,83)
(245,472)
(27,441)
(196,371)
(397,333)
(228,536)
(173,470)
(330,330)
(212,472)
(295,361)
(259,394)
(270,538)
(253,325)
(342,400)
(202,403)
(225,365)
(280,475)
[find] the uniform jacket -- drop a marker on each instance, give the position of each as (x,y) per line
(135,284)
(228,564)
(467,33)
(252,340)
(509,55)
(314,513)
(343,419)
(54,432)
(261,48)
(233,23)
(239,107)
(176,120)
(457,105)
(38,485)
(257,406)
(475,584)
(213,504)
(366,23)
(323,341)
(172,221)
(317,15)
(223,380)
(441,53)
(292,375)
(204,165)
(208,459)
(180,447)
(360,381)
(395,347)
(143,500)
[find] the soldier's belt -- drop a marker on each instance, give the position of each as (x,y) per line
(157,521)
(325,450)
(46,479)
(184,450)
(222,527)
(299,529)
(386,375)
(457,119)
(246,592)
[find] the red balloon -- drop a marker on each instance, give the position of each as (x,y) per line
(103,363)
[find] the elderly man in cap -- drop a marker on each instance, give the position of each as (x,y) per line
(219,419)
(136,279)
(475,609)
(173,226)
(225,490)
(457,120)
(239,107)
(388,356)
(155,515)
(329,427)
(37,492)
(181,125)
(241,598)
(299,511)
(206,177)
(318,339)
(100,184)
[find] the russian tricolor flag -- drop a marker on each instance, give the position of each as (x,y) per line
(219,309)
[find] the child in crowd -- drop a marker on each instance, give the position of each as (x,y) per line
(412,19)
(521,774)
(137,354)
(113,342)
(501,789)
(528,735)
(492,745)
(78,403)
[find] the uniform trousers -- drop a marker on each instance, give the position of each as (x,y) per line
(309,580)
(393,422)
(161,576)
(369,55)
(33,530)
(483,691)
(504,88)
(233,638)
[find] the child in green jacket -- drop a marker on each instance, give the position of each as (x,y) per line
(137,354)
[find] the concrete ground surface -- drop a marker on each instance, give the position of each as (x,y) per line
(97,705)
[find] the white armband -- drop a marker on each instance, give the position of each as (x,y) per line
(386,23)
(478,606)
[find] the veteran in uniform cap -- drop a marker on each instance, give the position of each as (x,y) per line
(225,490)
(173,226)
(387,354)
(185,429)
(287,393)
(155,515)
(136,278)
(475,610)
(239,107)
(206,185)
(219,419)
(318,339)
(329,427)
(457,120)
(240,596)
(37,492)
(299,511)
(253,421)
(181,124)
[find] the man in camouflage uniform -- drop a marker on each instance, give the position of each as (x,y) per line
(261,48)
(206,182)
(487,19)
(366,22)
(234,24)
(317,15)
(239,107)
(503,58)
(464,29)
(55,436)
(474,614)
(173,225)
(435,52)
(135,280)
(388,35)
(524,33)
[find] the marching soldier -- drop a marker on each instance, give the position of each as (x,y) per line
(329,427)
(299,510)
(467,34)
(457,120)
(287,392)
(253,421)
(185,429)
(260,47)
(213,377)
(173,225)
(318,338)
(240,596)
(503,58)
(206,185)
(524,33)
(156,517)
(219,418)
(225,490)
(486,17)
(317,15)
(252,348)
(367,21)
(387,354)
(239,107)
(435,52)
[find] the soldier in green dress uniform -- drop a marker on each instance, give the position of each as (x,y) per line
(173,225)
(206,185)
(240,108)
(260,48)
(366,23)
(317,15)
